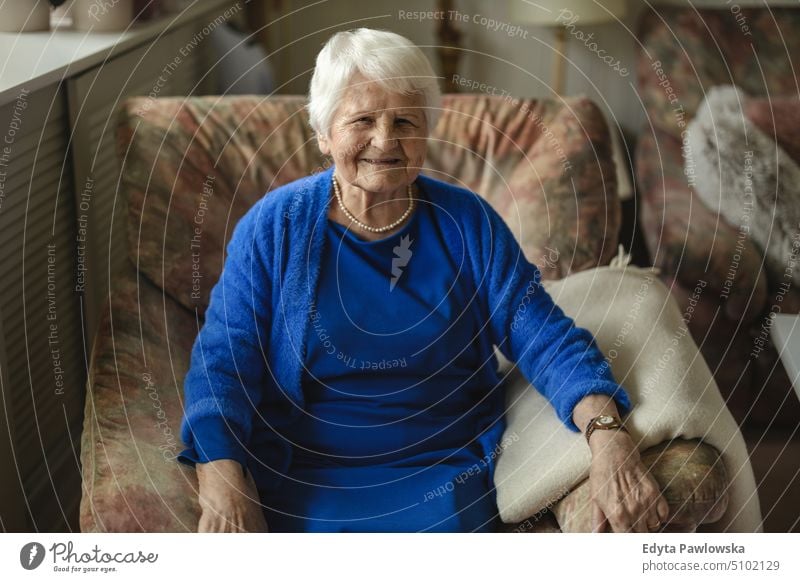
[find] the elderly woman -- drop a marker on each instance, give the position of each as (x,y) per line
(345,378)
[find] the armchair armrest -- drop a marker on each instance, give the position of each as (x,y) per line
(692,478)
(131,480)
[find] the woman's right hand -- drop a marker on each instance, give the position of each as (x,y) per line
(228,499)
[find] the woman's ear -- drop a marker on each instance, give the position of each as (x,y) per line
(324,145)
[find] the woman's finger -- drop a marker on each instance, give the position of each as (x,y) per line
(599,522)
(662,509)
(640,525)
(619,520)
(651,513)
(645,521)
(209,526)
(657,509)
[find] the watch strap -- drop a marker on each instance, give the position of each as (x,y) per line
(594,425)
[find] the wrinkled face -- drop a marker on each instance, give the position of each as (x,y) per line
(378,140)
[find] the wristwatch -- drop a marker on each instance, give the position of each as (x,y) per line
(603,422)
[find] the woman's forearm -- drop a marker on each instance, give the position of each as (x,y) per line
(590,406)
(228,498)
(593,405)
(625,496)
(222,472)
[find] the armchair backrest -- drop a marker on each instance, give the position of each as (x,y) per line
(191,167)
(684,52)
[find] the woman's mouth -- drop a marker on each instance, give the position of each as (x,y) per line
(381,162)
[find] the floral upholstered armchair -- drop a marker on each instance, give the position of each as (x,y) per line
(191,169)
(684,53)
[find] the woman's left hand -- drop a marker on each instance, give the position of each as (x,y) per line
(624,494)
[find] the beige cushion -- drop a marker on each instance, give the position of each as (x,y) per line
(639,327)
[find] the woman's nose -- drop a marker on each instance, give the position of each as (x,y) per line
(384,138)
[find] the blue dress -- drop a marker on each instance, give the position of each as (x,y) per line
(388,438)
(377,405)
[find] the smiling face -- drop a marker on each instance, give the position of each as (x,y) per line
(378,140)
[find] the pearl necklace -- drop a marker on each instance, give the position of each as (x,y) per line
(349,215)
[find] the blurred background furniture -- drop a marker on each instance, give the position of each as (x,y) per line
(191,167)
(683,53)
(560,14)
(785,332)
(686,239)
(58,209)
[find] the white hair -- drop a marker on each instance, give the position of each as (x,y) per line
(391,60)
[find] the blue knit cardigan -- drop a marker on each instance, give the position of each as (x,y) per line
(247,361)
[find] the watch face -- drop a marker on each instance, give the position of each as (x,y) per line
(606,419)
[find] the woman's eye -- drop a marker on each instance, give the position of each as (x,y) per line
(404,121)
(363,120)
